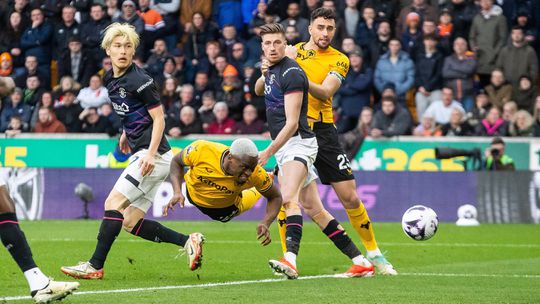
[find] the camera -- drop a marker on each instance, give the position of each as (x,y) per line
(495,152)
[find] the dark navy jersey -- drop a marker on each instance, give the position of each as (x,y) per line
(283,78)
(132,95)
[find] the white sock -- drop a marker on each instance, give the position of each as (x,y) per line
(36,279)
(291,258)
(374,253)
(361,260)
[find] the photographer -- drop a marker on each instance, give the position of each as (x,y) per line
(496,160)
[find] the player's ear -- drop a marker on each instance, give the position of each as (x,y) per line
(108,52)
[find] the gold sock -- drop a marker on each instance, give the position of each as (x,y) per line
(360,221)
(282,228)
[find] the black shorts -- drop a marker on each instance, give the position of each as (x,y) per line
(217,214)
(332,163)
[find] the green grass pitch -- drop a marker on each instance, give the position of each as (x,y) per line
(486,264)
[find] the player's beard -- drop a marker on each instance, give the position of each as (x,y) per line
(321,46)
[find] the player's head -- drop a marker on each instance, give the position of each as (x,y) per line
(120,42)
(322,27)
(242,159)
(7,86)
(273,41)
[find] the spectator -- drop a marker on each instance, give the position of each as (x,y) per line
(530,31)
(92,122)
(292,35)
(429,63)
(425,11)
(106,111)
(391,120)
(458,72)
(379,45)
(207,64)
(496,159)
(238,58)
(480,110)
(183,74)
(112,9)
(352,140)
(250,123)
(169,71)
(340,32)
(201,32)
(518,59)
(366,31)
(355,92)
(348,45)
(154,26)
(493,124)
(499,91)
(351,16)
(186,99)
(185,124)
(76,62)
(385,9)
(395,67)
(64,31)
(15,107)
(536,116)
(15,126)
(92,29)
(222,124)
(231,92)
(440,110)
(188,8)
(487,37)
(462,12)
(129,15)
(309,6)
(169,94)
(36,39)
(206,111)
(6,65)
(94,95)
(156,61)
(10,38)
(228,39)
(201,85)
(524,94)
(509,112)
(68,113)
(46,101)
(427,128)
(48,123)
(32,92)
(106,65)
(457,126)
(168,9)
(31,69)
(66,83)
(523,125)
(412,35)
(294,19)
(251,74)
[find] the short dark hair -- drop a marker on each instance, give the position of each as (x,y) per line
(272,28)
(431,37)
(517,27)
(389,98)
(497,140)
(325,13)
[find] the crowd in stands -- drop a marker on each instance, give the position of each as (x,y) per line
(417,67)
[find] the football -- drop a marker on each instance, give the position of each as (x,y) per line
(420,223)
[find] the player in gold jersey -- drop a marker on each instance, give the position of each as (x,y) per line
(223,182)
(326,68)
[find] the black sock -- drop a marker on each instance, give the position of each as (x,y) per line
(15,242)
(340,238)
(293,233)
(155,232)
(108,231)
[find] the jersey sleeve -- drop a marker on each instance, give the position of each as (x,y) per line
(148,93)
(340,67)
(293,80)
(190,154)
(261,180)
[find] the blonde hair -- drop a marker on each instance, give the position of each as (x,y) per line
(120,29)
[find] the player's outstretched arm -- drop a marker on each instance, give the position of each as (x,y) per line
(176,175)
(273,195)
(326,89)
(293,104)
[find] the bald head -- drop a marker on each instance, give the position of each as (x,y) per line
(7,85)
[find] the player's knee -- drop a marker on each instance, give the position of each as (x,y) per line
(351,200)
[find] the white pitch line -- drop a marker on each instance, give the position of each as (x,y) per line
(411,244)
(324,276)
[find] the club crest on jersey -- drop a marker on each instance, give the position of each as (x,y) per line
(122,92)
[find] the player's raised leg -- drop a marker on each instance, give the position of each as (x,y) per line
(359,218)
(42,289)
(292,176)
(335,232)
